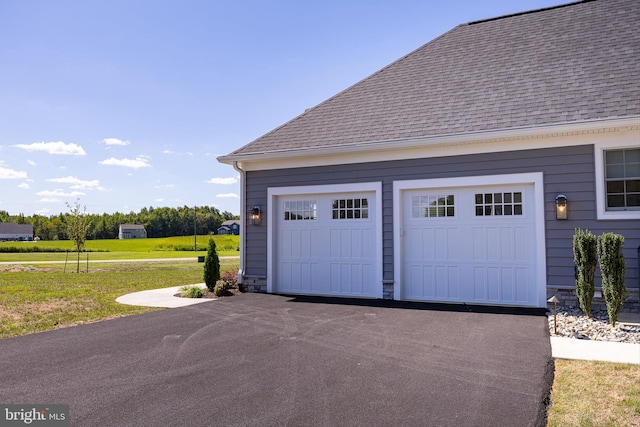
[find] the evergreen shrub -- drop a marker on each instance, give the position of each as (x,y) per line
(613,268)
(585,258)
(211,266)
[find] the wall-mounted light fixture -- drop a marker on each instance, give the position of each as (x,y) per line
(561,206)
(256,215)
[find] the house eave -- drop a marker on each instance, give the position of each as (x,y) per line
(340,154)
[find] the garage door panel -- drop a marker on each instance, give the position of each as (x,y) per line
(299,244)
(483,252)
(506,285)
(479,283)
(326,245)
(420,281)
(523,251)
(522,285)
(493,283)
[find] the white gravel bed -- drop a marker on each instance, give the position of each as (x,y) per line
(572,323)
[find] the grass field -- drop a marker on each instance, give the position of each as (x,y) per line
(40,298)
(168,247)
(590,394)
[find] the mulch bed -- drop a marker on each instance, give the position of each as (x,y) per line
(208,294)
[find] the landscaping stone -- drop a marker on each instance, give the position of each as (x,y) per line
(572,323)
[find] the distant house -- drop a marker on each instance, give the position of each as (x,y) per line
(132,231)
(230,227)
(13,231)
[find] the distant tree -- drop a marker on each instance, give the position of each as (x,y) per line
(78,225)
(159,222)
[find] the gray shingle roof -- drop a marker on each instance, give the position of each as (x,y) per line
(570,63)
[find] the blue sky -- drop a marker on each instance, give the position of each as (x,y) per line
(125,104)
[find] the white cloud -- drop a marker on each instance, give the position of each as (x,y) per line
(24,186)
(49,200)
(6,173)
(60,193)
(138,162)
(78,184)
(168,152)
(114,141)
(228,196)
(54,148)
(32,163)
(165,186)
(222,181)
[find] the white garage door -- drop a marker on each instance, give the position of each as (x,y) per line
(325,244)
(471,245)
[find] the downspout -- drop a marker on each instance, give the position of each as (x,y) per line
(243,210)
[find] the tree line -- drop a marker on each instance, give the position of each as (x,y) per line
(159,222)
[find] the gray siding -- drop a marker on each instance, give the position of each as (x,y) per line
(567,170)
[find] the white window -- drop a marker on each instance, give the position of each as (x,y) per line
(617,171)
(432,206)
(300,210)
(499,204)
(350,209)
(622,179)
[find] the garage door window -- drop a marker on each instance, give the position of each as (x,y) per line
(498,204)
(300,210)
(433,206)
(350,209)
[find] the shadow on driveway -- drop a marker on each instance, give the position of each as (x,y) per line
(262,360)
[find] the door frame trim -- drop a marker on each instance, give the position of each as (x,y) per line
(274,192)
(535,178)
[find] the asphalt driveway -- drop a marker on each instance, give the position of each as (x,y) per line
(265,360)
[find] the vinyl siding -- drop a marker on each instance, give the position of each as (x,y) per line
(567,170)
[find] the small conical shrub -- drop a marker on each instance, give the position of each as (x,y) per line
(612,268)
(585,257)
(211,266)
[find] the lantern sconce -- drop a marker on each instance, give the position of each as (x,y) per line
(561,206)
(256,215)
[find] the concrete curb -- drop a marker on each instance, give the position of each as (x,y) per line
(571,348)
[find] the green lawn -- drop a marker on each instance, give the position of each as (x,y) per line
(42,297)
(590,394)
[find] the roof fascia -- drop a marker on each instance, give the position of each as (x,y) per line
(468,143)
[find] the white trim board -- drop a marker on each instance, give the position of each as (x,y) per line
(553,136)
(535,178)
(598,152)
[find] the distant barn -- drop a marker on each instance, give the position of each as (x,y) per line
(132,231)
(13,232)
